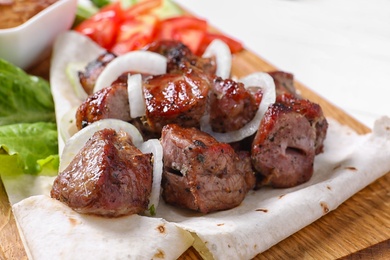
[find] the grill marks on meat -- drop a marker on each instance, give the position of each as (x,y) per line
(108,177)
(231,105)
(175,98)
(200,173)
(110,102)
(92,71)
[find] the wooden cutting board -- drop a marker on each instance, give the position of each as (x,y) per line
(361,223)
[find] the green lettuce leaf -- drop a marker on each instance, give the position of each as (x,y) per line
(30,148)
(23,98)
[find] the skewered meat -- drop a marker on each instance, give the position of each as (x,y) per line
(92,71)
(108,177)
(110,102)
(231,105)
(175,98)
(200,173)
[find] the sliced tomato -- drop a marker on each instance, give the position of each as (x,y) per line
(192,38)
(168,28)
(234,45)
(142,7)
(135,34)
(103,26)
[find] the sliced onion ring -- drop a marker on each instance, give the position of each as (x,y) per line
(78,140)
(154,146)
(257,79)
(138,61)
(136,97)
(72,70)
(67,124)
(220,50)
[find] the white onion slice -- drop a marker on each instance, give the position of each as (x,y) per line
(67,124)
(154,146)
(72,70)
(138,61)
(78,140)
(220,50)
(136,96)
(257,79)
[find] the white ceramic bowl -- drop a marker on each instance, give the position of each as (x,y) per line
(27,43)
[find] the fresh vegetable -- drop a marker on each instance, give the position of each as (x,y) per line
(29,148)
(28,135)
(121,28)
(23,98)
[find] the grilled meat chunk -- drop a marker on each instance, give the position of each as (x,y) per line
(92,71)
(180,56)
(284,83)
(200,173)
(231,105)
(313,112)
(108,177)
(283,149)
(175,98)
(110,102)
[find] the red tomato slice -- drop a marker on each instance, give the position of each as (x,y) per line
(235,46)
(193,39)
(135,34)
(103,26)
(169,27)
(143,7)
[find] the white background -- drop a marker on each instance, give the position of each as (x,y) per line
(338,48)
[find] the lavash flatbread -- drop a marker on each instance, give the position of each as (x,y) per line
(52,230)
(349,163)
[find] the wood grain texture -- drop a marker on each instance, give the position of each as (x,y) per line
(359,224)
(11,246)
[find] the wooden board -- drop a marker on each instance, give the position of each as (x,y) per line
(360,226)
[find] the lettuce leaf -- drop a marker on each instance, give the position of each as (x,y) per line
(30,148)
(28,133)
(23,98)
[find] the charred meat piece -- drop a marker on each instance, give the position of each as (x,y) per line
(231,105)
(200,173)
(175,98)
(108,177)
(283,149)
(313,112)
(284,83)
(110,102)
(92,71)
(179,56)
(287,94)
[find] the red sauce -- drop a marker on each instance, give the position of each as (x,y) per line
(16,12)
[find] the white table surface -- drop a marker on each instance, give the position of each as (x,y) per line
(338,48)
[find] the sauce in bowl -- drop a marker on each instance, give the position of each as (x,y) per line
(16,12)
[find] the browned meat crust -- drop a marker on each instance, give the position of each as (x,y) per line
(175,98)
(110,102)
(92,71)
(200,173)
(231,105)
(108,177)
(180,56)
(284,148)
